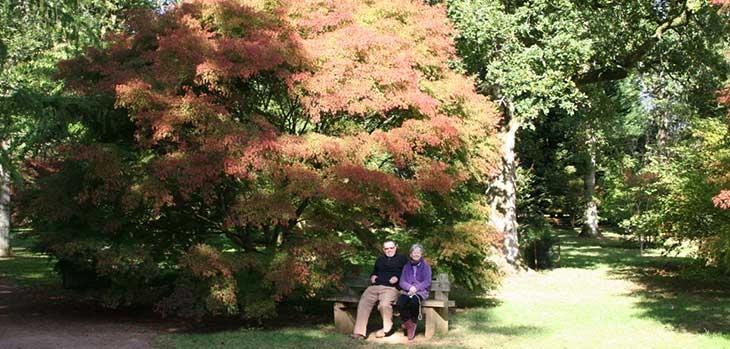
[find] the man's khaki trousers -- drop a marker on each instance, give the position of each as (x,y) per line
(385,296)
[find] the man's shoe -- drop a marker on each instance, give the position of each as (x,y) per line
(405,324)
(381,333)
(357,336)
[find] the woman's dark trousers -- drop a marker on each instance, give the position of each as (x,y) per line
(409,307)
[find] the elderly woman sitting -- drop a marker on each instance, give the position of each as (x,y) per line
(415,281)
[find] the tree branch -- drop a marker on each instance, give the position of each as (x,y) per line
(286,229)
(630,61)
(240,241)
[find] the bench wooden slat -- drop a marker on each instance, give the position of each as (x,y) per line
(343,299)
(363,284)
(433,303)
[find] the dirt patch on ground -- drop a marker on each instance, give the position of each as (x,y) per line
(32,319)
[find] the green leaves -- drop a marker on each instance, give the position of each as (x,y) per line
(552,64)
(540,54)
(527,54)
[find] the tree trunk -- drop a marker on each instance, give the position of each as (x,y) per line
(664,136)
(590,216)
(662,116)
(4,212)
(502,195)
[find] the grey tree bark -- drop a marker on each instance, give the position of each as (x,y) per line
(502,194)
(590,215)
(4,211)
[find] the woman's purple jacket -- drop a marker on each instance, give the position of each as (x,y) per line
(416,274)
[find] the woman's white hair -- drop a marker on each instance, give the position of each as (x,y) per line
(417,247)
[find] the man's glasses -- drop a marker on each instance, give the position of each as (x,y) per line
(389,248)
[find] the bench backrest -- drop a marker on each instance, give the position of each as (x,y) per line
(440,286)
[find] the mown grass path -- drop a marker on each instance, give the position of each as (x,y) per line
(605,295)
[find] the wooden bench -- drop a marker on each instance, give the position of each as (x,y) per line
(435,309)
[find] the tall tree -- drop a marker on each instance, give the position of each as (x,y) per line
(4,209)
(285,133)
(34,36)
(723,198)
(4,181)
(533,56)
(590,217)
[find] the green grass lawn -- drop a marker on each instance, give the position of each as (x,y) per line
(605,295)
(27,268)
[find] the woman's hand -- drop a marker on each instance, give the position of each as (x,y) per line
(412,290)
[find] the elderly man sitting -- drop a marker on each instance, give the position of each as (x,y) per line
(384,290)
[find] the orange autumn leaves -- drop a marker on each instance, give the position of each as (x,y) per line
(345,101)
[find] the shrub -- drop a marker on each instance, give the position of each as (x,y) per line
(264,143)
(538,244)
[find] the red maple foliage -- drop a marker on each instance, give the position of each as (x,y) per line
(278,123)
(722,200)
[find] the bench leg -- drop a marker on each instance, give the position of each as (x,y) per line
(344,322)
(437,321)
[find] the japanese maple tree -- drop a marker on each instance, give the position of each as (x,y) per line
(261,144)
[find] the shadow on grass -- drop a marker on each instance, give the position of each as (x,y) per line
(481,321)
(314,338)
(674,295)
(291,315)
(673,290)
(466,299)
(27,268)
(608,251)
(310,325)
(256,338)
(295,330)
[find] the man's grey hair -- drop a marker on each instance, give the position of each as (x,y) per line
(418,247)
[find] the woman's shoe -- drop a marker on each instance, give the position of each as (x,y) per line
(411,330)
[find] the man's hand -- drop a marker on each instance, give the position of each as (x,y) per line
(373,278)
(412,290)
(393,279)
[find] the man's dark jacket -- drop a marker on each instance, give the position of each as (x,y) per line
(387,267)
